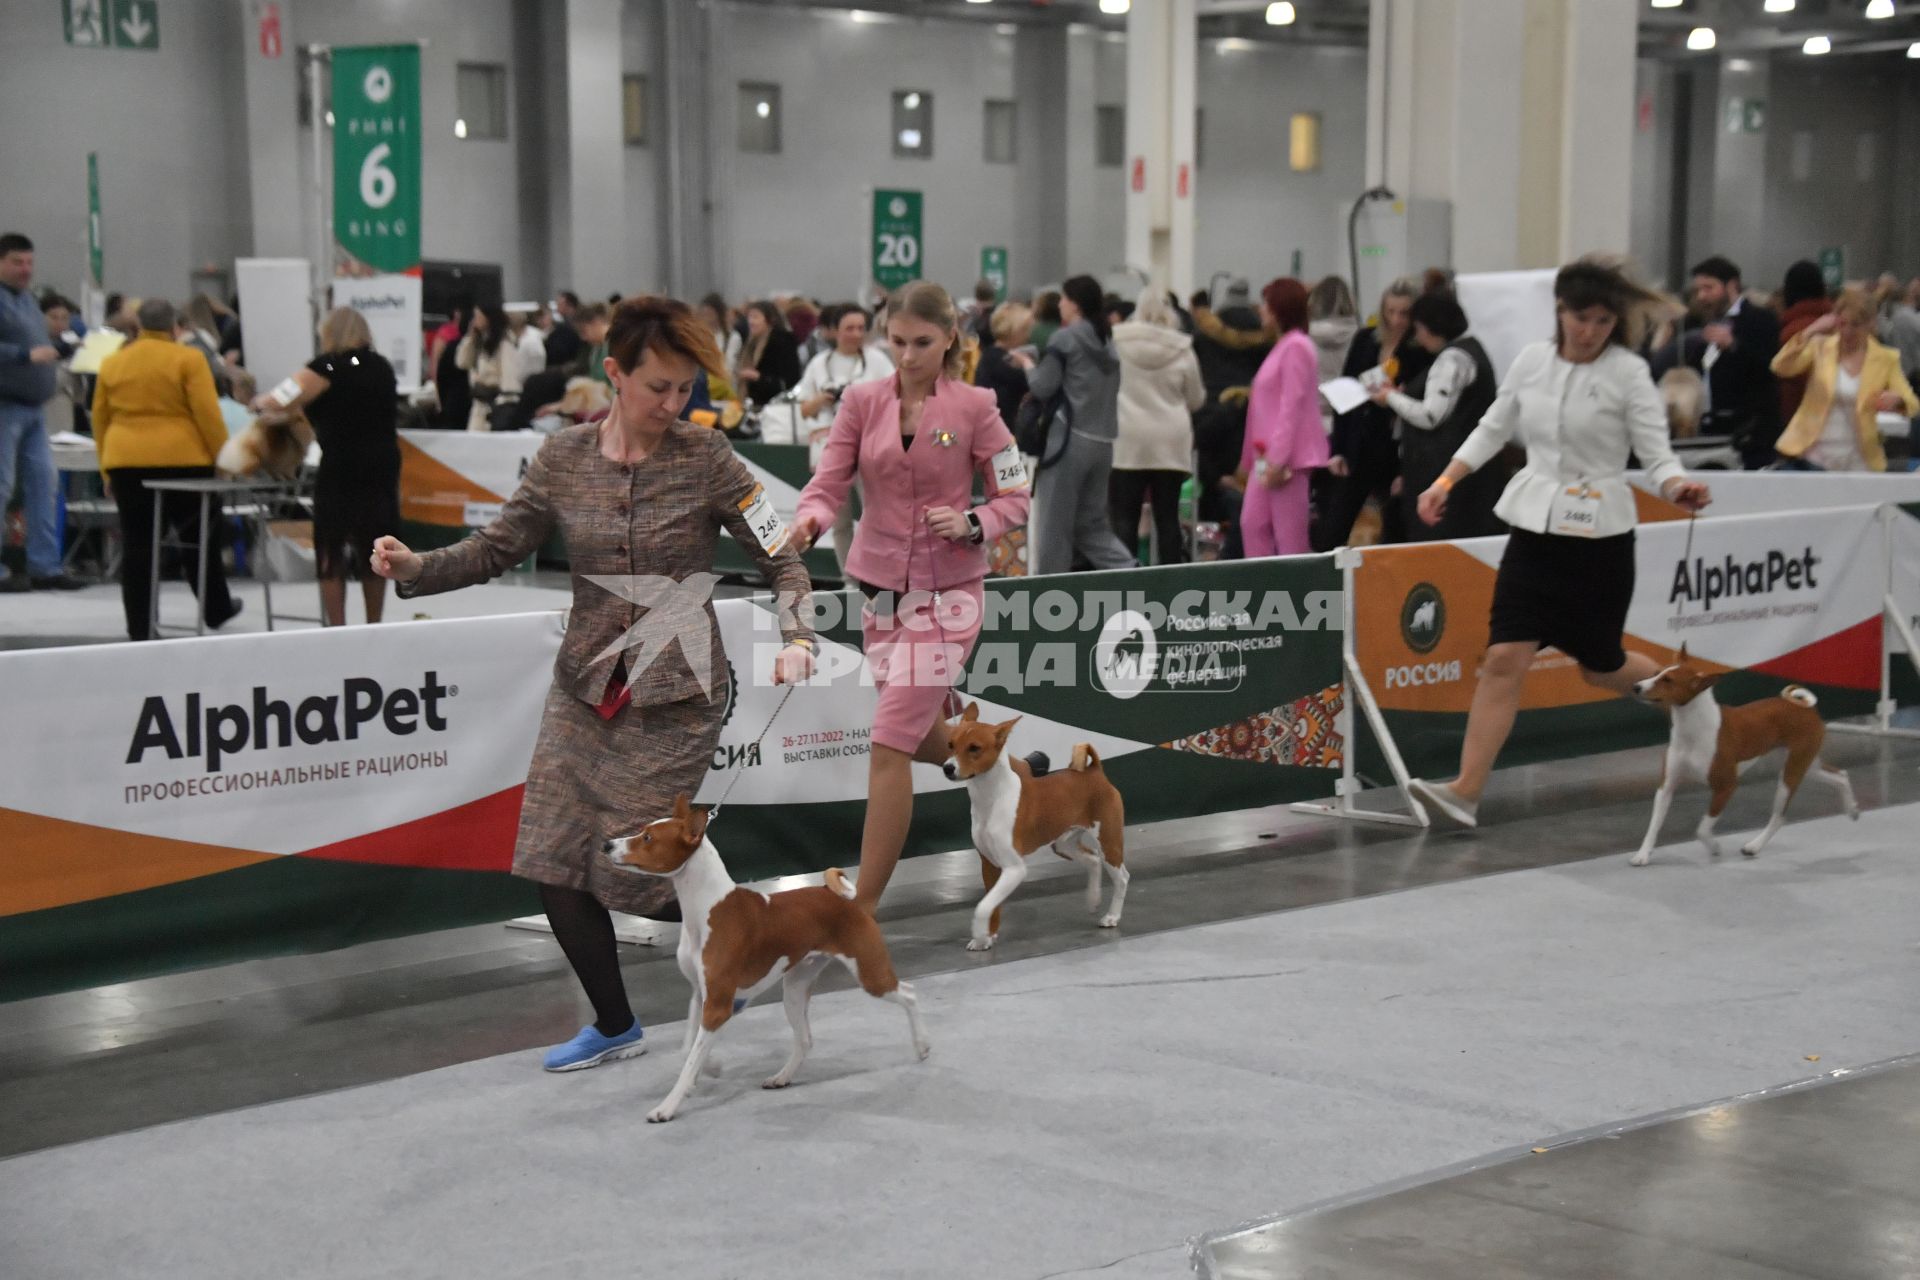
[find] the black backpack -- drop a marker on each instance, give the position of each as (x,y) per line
(1033,423)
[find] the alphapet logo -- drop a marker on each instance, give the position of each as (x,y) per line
(1423,618)
(1126,656)
(217,732)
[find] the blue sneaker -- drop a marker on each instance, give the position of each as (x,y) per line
(590,1049)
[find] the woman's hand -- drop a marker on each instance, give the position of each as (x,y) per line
(1380,393)
(1020,360)
(1690,494)
(392,559)
(1236,482)
(802,532)
(1825,324)
(949,524)
(1890,402)
(1276,476)
(1433,504)
(1337,466)
(793,664)
(748,375)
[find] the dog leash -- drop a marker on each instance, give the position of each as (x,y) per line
(1686,565)
(738,768)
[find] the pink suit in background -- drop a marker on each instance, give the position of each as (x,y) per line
(1283,429)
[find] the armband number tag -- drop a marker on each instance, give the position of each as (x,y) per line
(769,530)
(286,393)
(1009,469)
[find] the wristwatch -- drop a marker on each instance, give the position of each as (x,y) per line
(978,535)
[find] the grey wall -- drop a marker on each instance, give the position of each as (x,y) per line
(1654,141)
(641,38)
(1251,211)
(169,126)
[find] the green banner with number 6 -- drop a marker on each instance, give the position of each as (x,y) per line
(896,237)
(376,160)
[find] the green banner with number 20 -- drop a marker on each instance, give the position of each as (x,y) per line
(376,160)
(896,238)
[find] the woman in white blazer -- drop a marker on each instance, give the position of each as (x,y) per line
(1160,387)
(1581,405)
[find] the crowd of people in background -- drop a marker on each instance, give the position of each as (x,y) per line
(1174,430)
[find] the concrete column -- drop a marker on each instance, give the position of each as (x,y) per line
(278,185)
(1162,71)
(533,106)
(1518,113)
(688,146)
(1039,249)
(596,159)
(1738,211)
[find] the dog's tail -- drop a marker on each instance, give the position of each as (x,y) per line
(1085,758)
(838,882)
(1799,696)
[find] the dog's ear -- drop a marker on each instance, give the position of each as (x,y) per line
(697,824)
(1002,731)
(971,714)
(682,807)
(1706,680)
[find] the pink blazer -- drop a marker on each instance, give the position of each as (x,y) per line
(1283,408)
(960,434)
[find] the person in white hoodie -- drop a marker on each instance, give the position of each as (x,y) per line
(1160,388)
(1332,320)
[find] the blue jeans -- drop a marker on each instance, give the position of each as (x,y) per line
(24,452)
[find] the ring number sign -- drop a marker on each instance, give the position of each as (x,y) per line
(376,159)
(897,246)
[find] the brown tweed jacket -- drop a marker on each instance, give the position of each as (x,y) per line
(660,517)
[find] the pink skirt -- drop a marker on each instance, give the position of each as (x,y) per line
(918,654)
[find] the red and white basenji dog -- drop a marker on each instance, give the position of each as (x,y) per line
(1077,812)
(1715,744)
(738,941)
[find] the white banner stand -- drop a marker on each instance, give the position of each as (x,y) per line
(1347,559)
(276,315)
(391,307)
(1895,618)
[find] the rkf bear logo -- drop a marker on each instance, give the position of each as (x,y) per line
(1423,618)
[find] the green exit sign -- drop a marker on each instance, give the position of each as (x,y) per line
(102,24)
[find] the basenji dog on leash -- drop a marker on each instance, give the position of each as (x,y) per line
(1715,744)
(1076,812)
(736,941)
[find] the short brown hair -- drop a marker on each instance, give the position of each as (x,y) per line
(924,300)
(344,329)
(665,325)
(1856,304)
(1011,319)
(590,313)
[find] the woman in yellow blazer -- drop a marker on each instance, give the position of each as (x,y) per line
(1851,380)
(155,417)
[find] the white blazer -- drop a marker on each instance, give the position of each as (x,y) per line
(1577,422)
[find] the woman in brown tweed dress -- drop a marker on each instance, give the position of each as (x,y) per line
(629,722)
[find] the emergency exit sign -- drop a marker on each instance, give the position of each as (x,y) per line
(120,24)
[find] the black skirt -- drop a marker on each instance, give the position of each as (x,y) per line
(356,498)
(1570,593)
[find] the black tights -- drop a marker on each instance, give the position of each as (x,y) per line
(584,930)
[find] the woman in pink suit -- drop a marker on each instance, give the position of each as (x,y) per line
(1285,438)
(915,441)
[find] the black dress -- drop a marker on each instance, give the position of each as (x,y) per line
(356,497)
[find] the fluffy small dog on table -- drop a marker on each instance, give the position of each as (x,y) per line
(272,447)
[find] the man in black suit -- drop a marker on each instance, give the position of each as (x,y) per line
(1735,357)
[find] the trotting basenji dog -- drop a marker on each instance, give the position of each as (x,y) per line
(1714,744)
(738,941)
(1077,812)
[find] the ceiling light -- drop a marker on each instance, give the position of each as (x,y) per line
(1280,14)
(866,15)
(1234,44)
(979,1)
(1913,50)
(1739,64)
(1666,4)
(1816,45)
(1878,9)
(459,128)
(329,119)
(1779,6)
(1700,39)
(763,109)
(910,139)
(1006,29)
(911,102)
(1115,6)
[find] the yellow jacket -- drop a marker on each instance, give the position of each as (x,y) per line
(1819,358)
(155,406)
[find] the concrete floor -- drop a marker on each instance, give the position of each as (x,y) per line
(1222,989)
(1817,1182)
